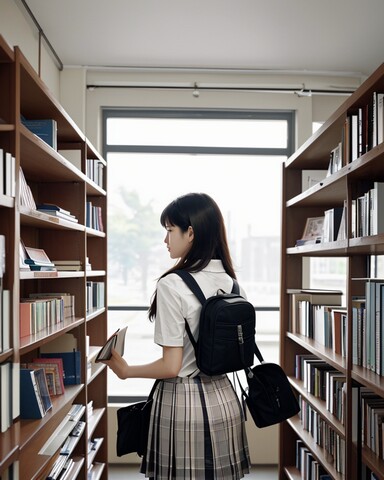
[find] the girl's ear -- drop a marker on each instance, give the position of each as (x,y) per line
(191,234)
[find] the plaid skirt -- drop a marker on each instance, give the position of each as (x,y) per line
(196,432)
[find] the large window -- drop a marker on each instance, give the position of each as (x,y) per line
(153,157)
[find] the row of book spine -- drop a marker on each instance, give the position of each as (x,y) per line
(307,464)
(95,292)
(368,328)
(363,130)
(324,382)
(7,174)
(5,303)
(367,218)
(94,169)
(9,401)
(368,212)
(94,217)
(44,310)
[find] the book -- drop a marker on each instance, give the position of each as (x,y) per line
(9,175)
(46,129)
(57,368)
(71,365)
(57,211)
(37,259)
(26,195)
(376,209)
(34,396)
(298,317)
(68,265)
(332,220)
(1,171)
(5,315)
(116,341)
(5,396)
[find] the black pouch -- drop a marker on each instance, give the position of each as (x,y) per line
(133,427)
(270,398)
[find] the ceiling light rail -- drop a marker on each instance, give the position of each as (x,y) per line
(198,89)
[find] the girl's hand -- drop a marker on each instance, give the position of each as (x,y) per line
(118,365)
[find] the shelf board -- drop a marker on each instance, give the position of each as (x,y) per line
(6,355)
(46,335)
(31,275)
(292,473)
(370,245)
(7,127)
(326,354)
(94,312)
(91,232)
(94,419)
(9,445)
(95,471)
(61,404)
(42,163)
(317,451)
(94,189)
(372,461)
(6,201)
(76,467)
(95,273)
(329,249)
(94,370)
(35,218)
(368,378)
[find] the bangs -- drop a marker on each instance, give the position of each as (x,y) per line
(171,215)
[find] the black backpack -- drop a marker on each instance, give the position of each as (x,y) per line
(226,341)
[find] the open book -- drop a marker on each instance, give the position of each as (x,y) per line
(115,341)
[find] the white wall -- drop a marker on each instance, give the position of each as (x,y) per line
(84,105)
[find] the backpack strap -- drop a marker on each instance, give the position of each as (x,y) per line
(236,287)
(192,284)
(196,290)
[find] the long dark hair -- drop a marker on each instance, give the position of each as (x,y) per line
(202,213)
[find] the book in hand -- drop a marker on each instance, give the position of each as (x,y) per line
(115,341)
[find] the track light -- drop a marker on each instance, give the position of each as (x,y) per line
(195,92)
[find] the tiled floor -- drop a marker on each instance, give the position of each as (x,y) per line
(131,472)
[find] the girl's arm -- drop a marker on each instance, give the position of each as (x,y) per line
(166,367)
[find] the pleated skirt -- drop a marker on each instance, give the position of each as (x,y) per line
(196,432)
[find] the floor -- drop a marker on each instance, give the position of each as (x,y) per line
(131,472)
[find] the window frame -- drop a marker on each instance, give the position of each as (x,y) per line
(230,114)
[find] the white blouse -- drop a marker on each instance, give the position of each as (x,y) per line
(176,302)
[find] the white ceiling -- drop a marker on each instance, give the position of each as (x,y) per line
(342,36)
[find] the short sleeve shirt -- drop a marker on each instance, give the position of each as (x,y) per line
(176,302)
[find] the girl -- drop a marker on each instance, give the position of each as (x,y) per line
(197,428)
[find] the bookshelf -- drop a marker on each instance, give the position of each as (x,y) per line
(351,458)
(31,445)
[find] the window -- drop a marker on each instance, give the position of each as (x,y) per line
(153,157)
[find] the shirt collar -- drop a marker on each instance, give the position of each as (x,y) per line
(214,266)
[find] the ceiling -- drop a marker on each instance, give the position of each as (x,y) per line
(340,36)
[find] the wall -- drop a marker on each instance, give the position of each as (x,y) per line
(84,105)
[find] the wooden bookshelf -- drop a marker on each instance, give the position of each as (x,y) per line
(53,179)
(345,185)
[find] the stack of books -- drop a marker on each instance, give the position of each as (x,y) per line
(56,211)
